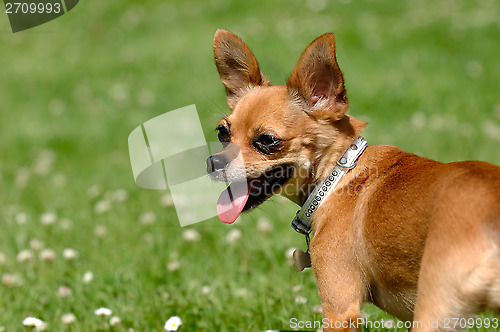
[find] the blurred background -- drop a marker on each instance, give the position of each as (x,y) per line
(77,233)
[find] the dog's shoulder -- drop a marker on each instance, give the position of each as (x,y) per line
(388,159)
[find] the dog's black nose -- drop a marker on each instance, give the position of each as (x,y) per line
(216,163)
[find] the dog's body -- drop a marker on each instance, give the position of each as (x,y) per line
(416,237)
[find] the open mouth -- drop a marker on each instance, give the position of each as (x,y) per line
(246,195)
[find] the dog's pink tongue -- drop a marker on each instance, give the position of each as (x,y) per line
(231,201)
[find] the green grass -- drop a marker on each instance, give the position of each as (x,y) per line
(423,73)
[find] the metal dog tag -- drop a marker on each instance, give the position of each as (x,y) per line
(302,260)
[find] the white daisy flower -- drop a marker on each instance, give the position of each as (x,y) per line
(11,280)
(318,309)
(44,161)
(491,129)
(300,300)
(418,120)
(233,235)
(166,200)
(173,323)
(94,191)
(115,321)
(66,223)
(241,292)
(191,235)
(25,255)
(36,244)
(102,206)
(33,322)
(147,218)
(64,291)
(205,290)
(48,218)
(103,312)
(47,255)
(264,226)
(87,277)
(120,195)
(68,318)
(173,265)
(21,218)
(100,231)
(69,254)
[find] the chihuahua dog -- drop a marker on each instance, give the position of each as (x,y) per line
(416,237)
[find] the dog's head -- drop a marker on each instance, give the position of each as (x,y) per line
(278,139)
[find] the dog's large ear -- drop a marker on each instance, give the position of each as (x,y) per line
(237,66)
(318,81)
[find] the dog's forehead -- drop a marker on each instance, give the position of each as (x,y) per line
(260,108)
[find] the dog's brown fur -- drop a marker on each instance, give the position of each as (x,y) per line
(417,237)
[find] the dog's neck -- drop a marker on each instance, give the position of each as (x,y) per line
(346,162)
(348,129)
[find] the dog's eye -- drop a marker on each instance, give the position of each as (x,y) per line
(267,144)
(224,135)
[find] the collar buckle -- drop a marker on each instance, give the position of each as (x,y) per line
(299,226)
